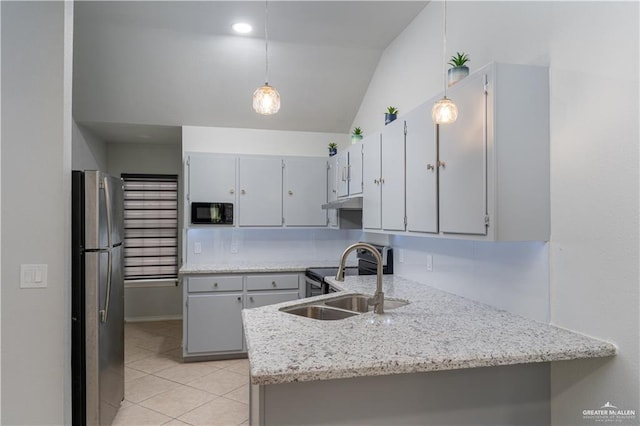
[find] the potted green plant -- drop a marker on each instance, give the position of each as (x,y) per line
(390,115)
(459,70)
(333,149)
(356,135)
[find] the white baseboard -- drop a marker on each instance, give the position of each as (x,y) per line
(154,318)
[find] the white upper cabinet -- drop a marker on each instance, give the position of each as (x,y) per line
(371,175)
(211,178)
(484,177)
(260,191)
(342,169)
(392,178)
(495,178)
(349,170)
(354,170)
(332,189)
(421,174)
(463,148)
(304,191)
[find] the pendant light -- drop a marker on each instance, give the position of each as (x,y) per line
(266,99)
(445,110)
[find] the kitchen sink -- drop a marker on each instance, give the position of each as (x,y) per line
(341,307)
(359,303)
(319,312)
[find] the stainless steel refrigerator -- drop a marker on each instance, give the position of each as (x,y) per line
(97,360)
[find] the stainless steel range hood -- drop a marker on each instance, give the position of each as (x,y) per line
(351,203)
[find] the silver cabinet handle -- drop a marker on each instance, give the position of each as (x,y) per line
(239,299)
(381,180)
(231,191)
(251,299)
(215,285)
(430,167)
(273,283)
(376,181)
(441,164)
(243,192)
(290,192)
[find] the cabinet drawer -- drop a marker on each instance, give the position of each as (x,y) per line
(206,284)
(272,282)
(255,300)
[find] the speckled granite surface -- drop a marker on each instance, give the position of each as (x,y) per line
(436,331)
(248,267)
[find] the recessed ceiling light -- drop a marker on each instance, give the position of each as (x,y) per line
(242,28)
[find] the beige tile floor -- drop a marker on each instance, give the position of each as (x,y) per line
(162,390)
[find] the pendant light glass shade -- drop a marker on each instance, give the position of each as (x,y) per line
(444,111)
(266,100)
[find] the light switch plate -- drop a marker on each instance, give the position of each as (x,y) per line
(33,275)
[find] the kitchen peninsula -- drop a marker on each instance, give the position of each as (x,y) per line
(417,364)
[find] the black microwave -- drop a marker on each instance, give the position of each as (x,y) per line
(212,213)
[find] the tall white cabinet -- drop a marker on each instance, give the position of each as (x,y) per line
(371,174)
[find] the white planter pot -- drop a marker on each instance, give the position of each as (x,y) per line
(456,74)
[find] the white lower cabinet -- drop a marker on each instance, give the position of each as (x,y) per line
(213,304)
(214,322)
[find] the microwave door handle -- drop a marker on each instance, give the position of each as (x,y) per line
(107,201)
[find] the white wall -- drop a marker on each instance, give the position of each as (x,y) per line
(151,302)
(144,158)
(36,166)
(593,252)
(88,151)
(255,141)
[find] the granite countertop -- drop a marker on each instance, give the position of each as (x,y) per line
(257,266)
(435,331)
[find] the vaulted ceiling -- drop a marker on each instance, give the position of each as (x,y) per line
(142,68)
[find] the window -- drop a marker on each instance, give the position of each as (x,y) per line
(150,227)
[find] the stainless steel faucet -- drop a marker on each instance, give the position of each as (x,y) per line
(377,301)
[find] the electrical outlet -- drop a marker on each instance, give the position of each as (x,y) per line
(401,255)
(429,263)
(197,248)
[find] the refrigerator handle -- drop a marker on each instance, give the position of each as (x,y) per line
(107,201)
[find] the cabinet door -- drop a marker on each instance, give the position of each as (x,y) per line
(342,171)
(393,176)
(421,175)
(260,198)
(305,191)
(371,209)
(462,172)
(355,168)
(332,190)
(211,178)
(255,300)
(214,322)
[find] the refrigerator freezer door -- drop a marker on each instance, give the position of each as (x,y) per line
(103,201)
(104,340)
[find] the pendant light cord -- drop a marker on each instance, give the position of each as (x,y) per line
(266,44)
(444,50)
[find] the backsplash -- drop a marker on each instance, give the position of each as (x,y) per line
(510,276)
(237,245)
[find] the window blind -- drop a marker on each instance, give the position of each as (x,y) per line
(150,227)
